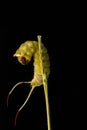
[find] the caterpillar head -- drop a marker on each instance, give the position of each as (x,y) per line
(25,52)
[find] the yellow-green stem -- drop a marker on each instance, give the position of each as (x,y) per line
(47,106)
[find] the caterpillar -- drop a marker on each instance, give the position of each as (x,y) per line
(38,51)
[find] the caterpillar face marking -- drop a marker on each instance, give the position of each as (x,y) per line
(41,70)
(22,60)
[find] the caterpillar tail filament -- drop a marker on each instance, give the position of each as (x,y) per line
(26,82)
(23,104)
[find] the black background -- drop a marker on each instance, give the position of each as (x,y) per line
(61,32)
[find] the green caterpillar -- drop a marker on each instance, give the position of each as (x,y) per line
(41,70)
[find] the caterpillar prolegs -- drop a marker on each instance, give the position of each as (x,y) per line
(41,70)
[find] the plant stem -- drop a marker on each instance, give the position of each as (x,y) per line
(47,106)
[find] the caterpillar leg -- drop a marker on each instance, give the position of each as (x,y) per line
(13,89)
(23,104)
